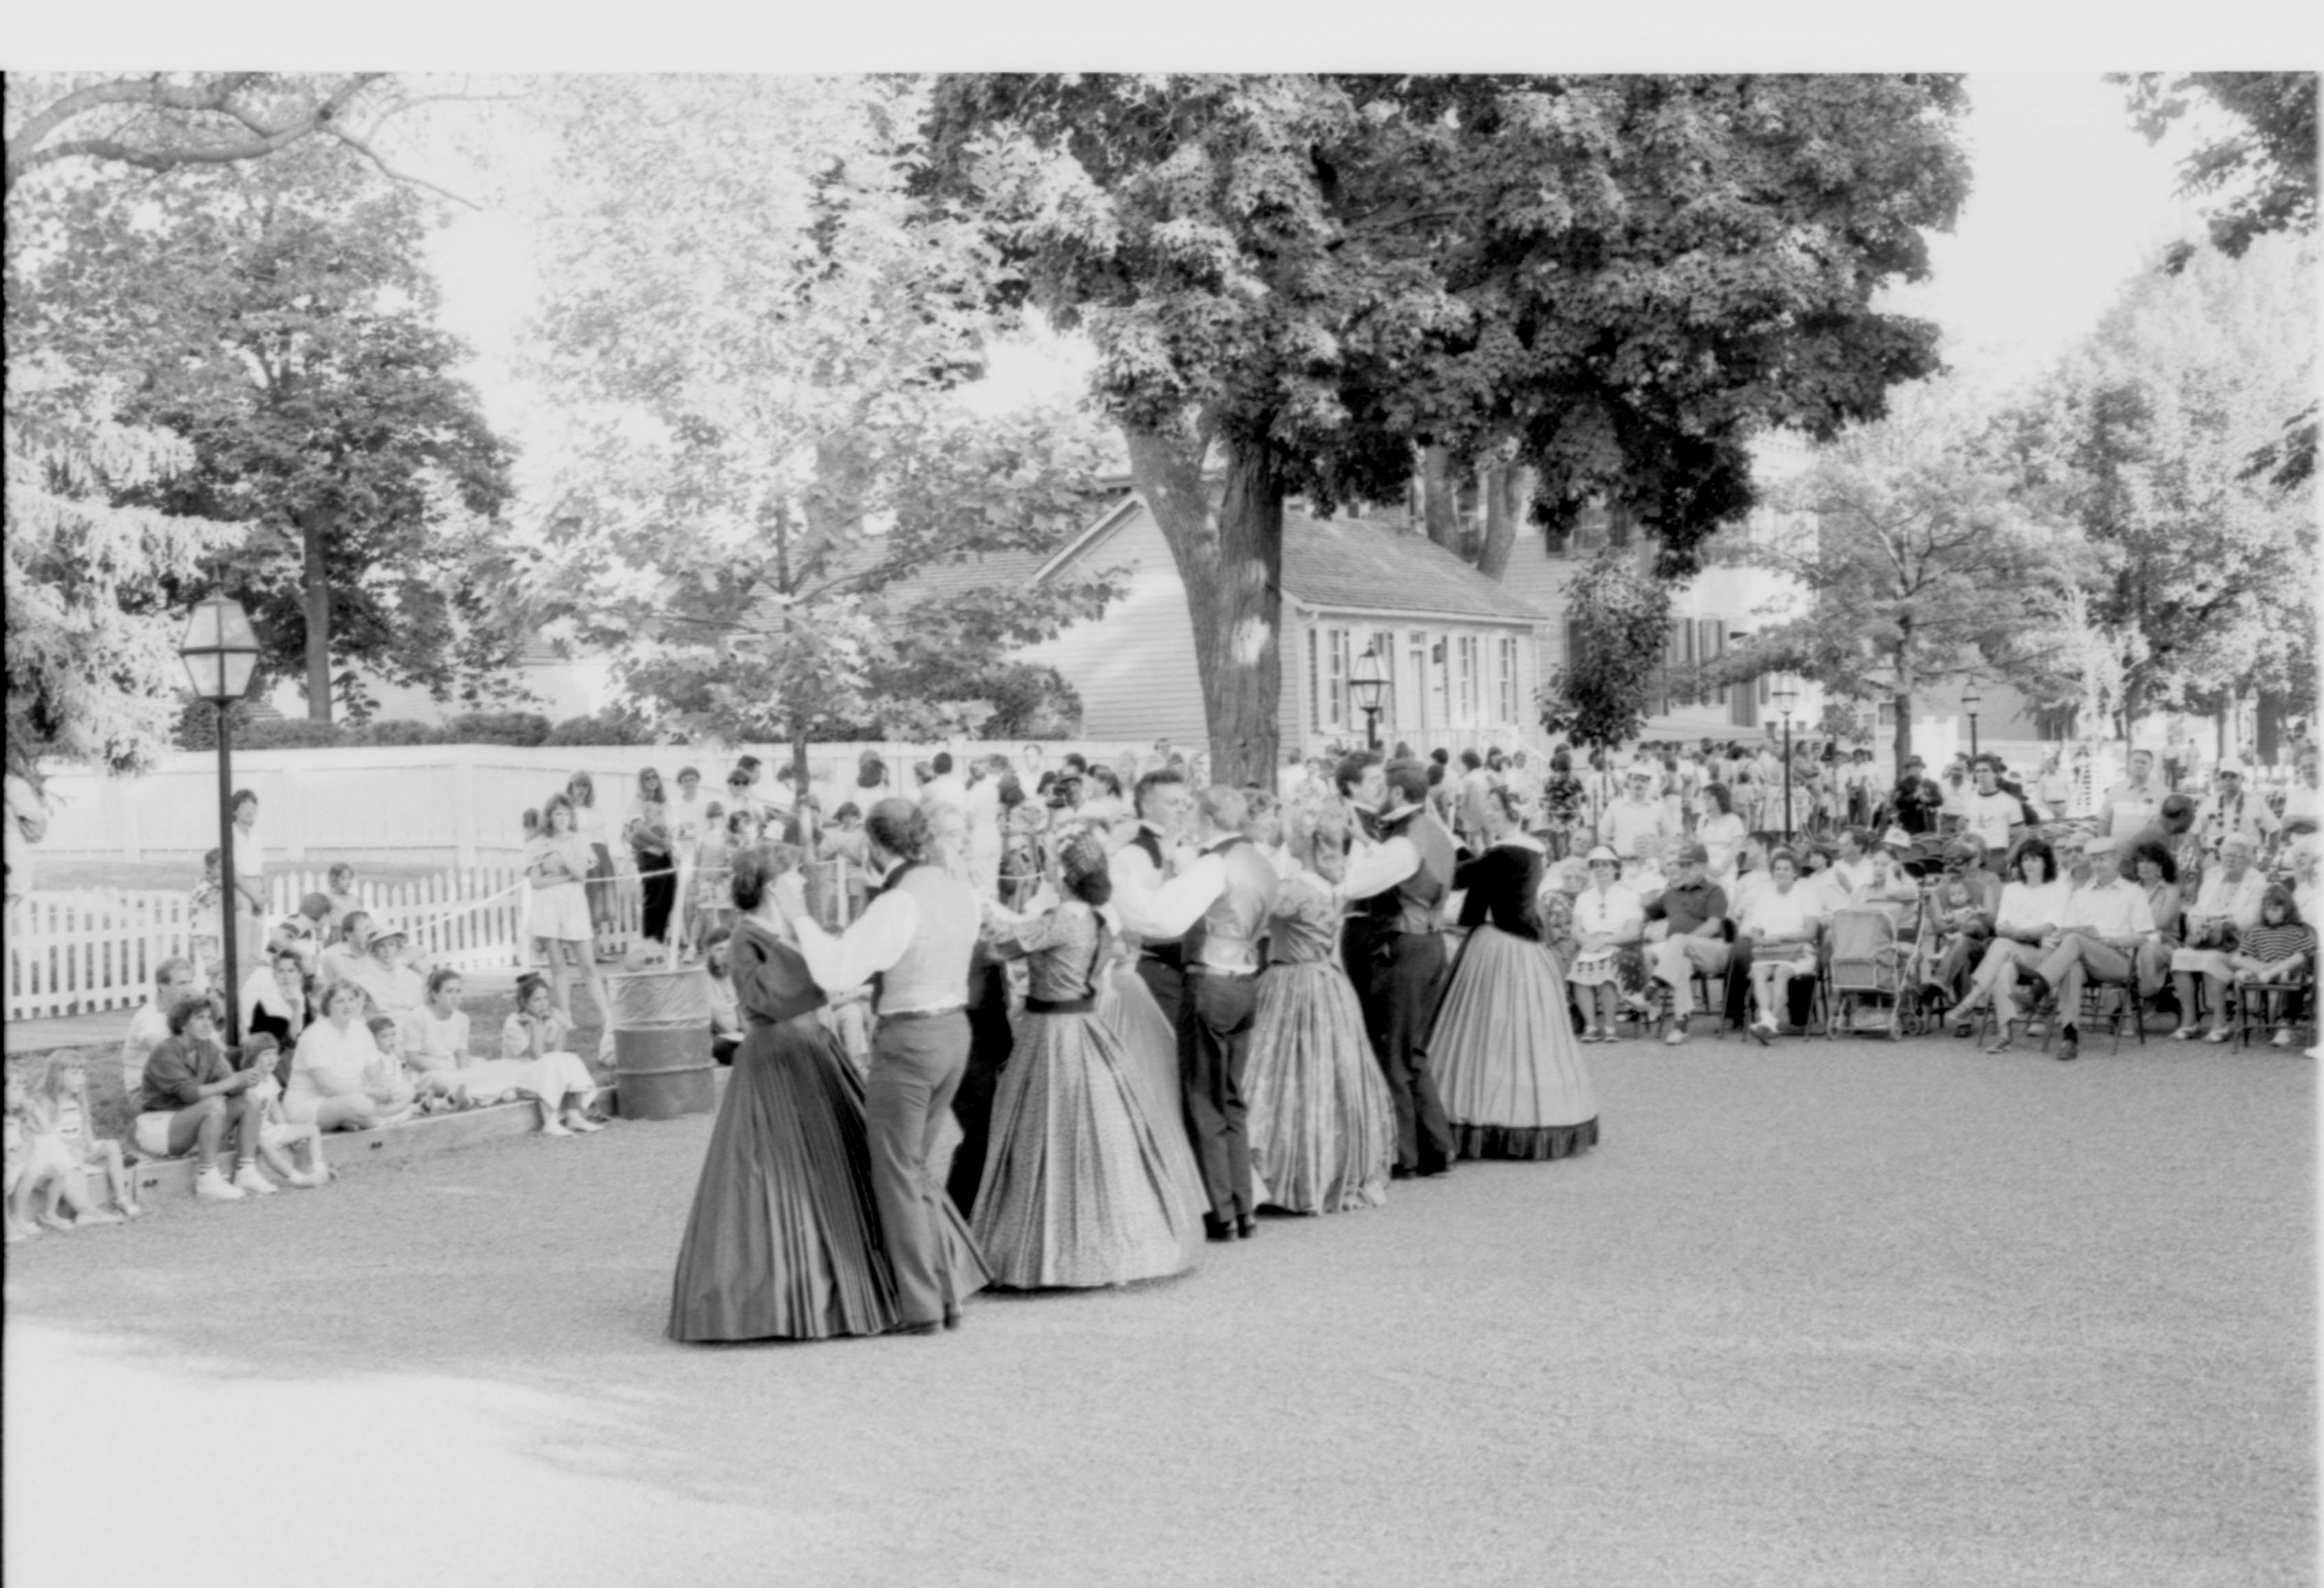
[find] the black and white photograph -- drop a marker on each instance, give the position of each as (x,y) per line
(1019,799)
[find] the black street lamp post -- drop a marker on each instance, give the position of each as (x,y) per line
(220,652)
(1367,682)
(1786,693)
(1970,701)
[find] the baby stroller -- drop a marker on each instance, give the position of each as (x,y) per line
(1872,988)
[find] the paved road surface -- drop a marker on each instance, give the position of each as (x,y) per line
(1849,1315)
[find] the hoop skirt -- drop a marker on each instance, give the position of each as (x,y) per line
(1079,1185)
(1322,1122)
(1507,1060)
(1150,1046)
(783,1242)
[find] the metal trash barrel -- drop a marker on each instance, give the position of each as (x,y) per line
(662,1042)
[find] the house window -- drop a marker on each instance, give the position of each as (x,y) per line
(1887,716)
(1315,679)
(1508,648)
(1413,683)
(1383,646)
(1466,657)
(1711,647)
(1335,676)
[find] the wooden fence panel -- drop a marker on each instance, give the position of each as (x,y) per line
(89,950)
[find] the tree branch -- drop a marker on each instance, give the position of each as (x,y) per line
(25,153)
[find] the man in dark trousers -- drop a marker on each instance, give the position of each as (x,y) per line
(1223,963)
(1404,879)
(1362,785)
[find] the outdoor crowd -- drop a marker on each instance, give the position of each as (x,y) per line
(1150,1006)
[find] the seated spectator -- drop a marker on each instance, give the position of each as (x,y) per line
(1962,906)
(535,1035)
(1782,923)
(274,1000)
(344,960)
(328,1087)
(2157,875)
(2305,854)
(725,1009)
(11,1119)
(2173,831)
(386,1073)
(304,932)
(397,988)
(2106,922)
(2227,906)
(2030,908)
(174,982)
(193,1100)
(2273,957)
(1692,913)
(57,1148)
(1610,922)
(277,1136)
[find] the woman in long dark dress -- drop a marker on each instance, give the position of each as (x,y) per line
(1507,1061)
(783,1242)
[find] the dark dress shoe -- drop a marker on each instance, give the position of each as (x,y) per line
(1246,1226)
(2070,1046)
(1217,1229)
(916,1328)
(952,1317)
(1399,1173)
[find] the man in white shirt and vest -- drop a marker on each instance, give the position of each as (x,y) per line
(1150,901)
(1404,878)
(2133,803)
(2106,919)
(913,940)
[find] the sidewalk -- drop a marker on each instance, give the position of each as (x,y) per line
(105,1028)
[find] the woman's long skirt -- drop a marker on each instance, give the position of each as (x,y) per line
(1507,1060)
(783,1242)
(1322,1122)
(1078,1189)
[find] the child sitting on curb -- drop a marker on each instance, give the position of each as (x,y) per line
(58,1145)
(277,1136)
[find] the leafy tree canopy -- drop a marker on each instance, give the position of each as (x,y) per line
(1618,623)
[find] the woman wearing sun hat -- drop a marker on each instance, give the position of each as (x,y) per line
(1609,921)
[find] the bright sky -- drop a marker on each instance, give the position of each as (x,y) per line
(2068,201)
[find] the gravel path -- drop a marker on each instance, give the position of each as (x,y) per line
(1819,1315)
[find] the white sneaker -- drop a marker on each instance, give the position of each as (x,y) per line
(211,1186)
(1676,1038)
(249,1178)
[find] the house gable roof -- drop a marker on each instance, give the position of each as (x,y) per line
(1351,564)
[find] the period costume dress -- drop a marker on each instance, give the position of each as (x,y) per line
(1507,1060)
(1323,1126)
(1151,1044)
(784,1241)
(1078,1187)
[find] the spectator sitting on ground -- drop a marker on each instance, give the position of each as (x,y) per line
(57,1149)
(725,1009)
(386,1073)
(344,960)
(193,1100)
(174,982)
(535,1034)
(277,1136)
(13,1119)
(397,987)
(328,1088)
(305,932)
(274,1000)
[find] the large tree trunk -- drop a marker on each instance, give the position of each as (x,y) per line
(1229,559)
(315,529)
(1440,499)
(1504,508)
(1904,696)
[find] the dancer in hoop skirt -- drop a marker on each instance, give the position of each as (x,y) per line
(1322,1125)
(783,1242)
(1507,1060)
(1078,1188)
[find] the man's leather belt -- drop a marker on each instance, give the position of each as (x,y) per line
(922,1014)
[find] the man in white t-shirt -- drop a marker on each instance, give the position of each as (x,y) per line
(1995,816)
(174,981)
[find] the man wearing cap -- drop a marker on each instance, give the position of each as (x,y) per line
(1637,814)
(2097,939)
(2230,809)
(1693,907)
(302,933)
(2133,803)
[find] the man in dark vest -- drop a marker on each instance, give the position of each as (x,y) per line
(913,942)
(1404,879)
(1361,787)
(1223,963)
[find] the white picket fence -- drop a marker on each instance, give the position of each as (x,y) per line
(97,949)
